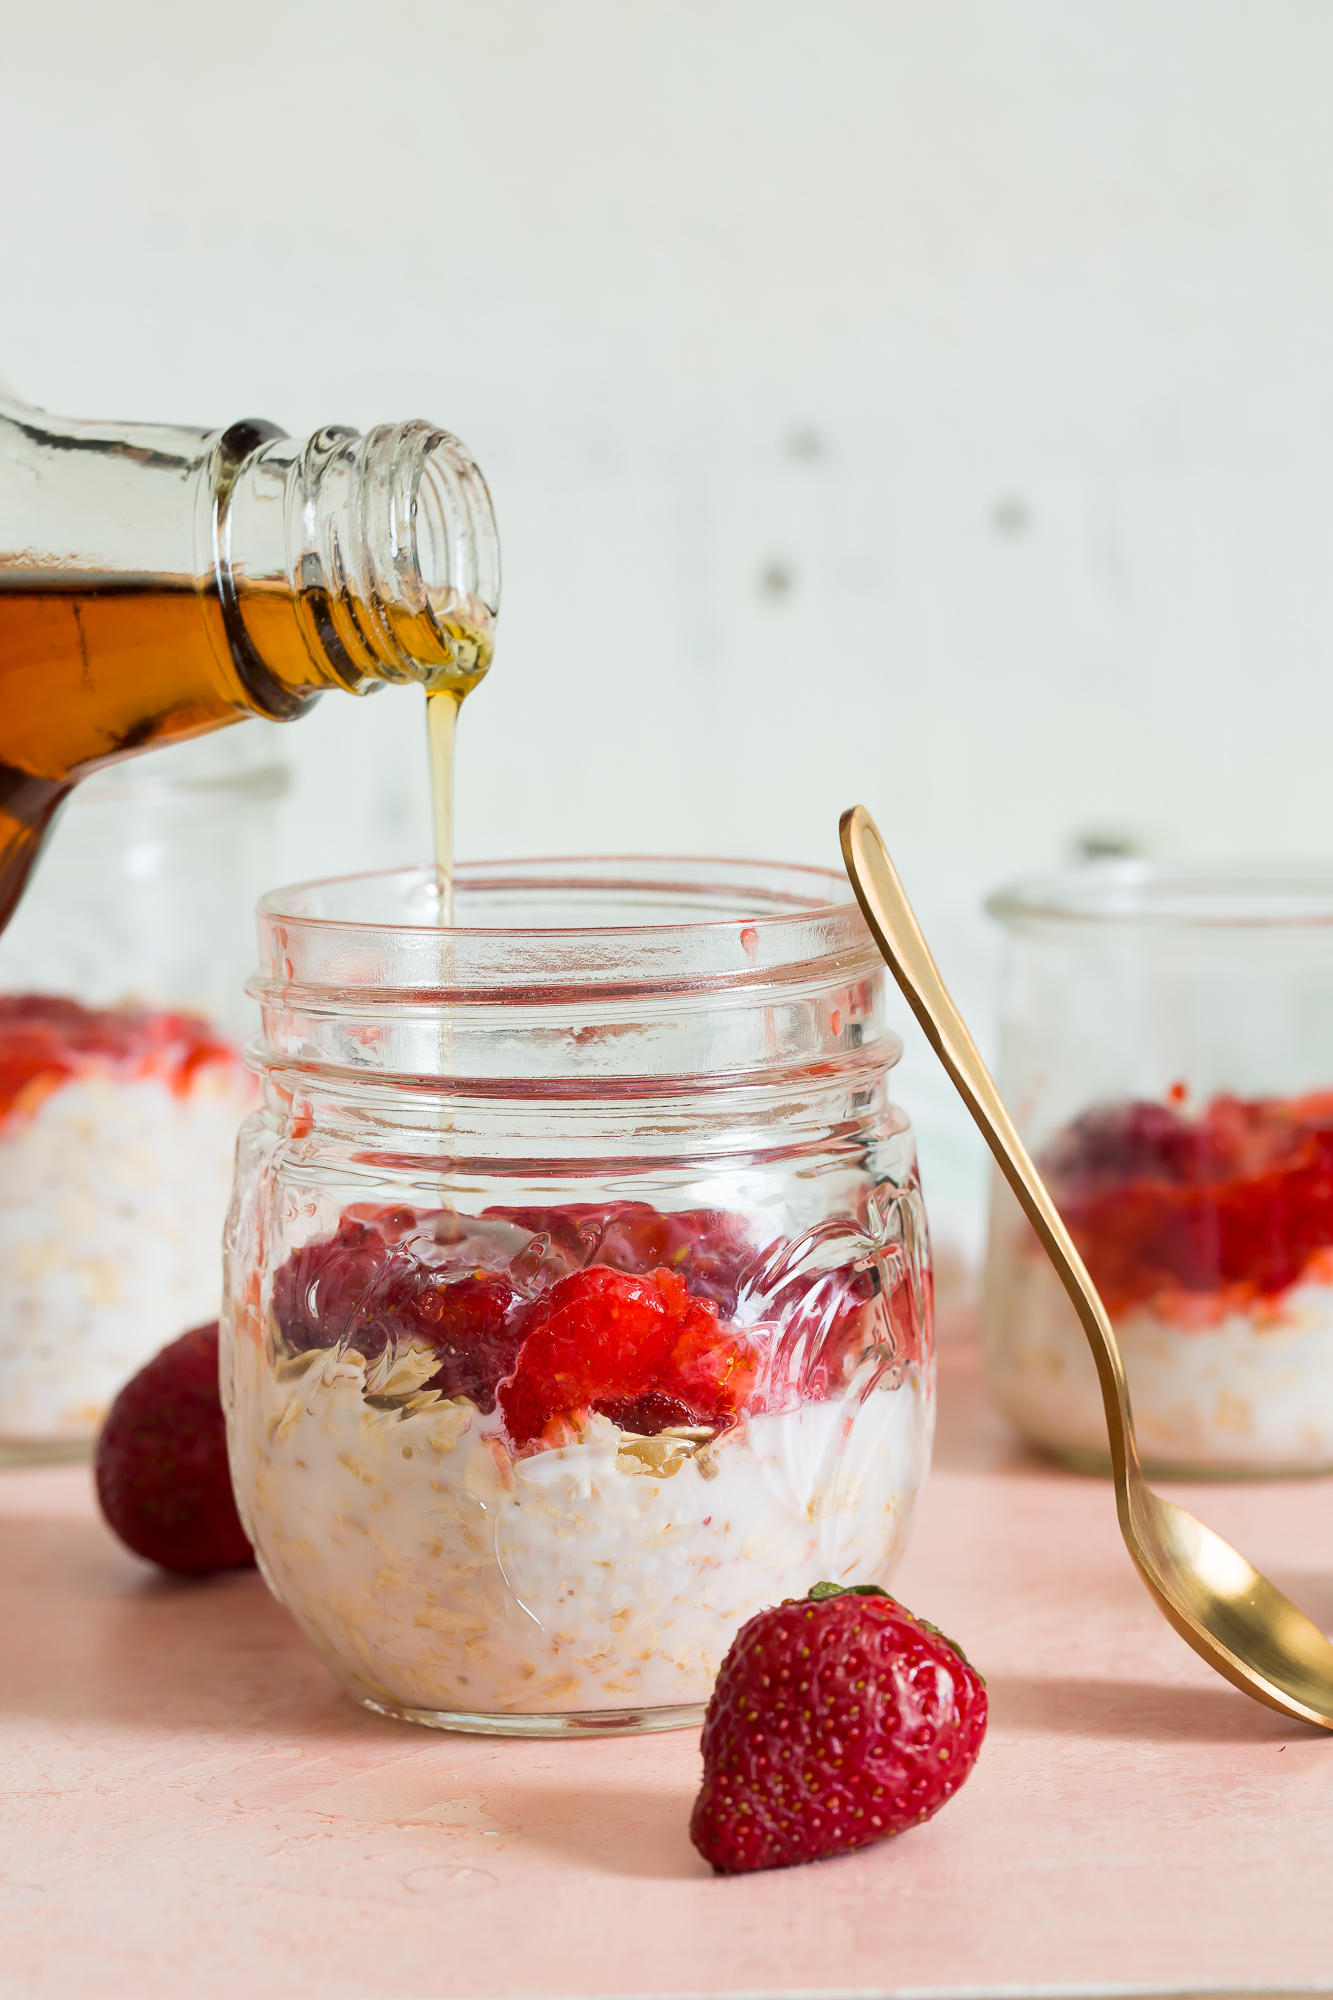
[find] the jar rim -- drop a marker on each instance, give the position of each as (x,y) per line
(683,923)
(677,925)
(481,875)
(747,999)
(1124,894)
(246,787)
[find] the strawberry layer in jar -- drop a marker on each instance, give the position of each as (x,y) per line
(578,1285)
(117,1130)
(122,1086)
(1203,1209)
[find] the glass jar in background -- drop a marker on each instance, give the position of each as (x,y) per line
(121,1080)
(1167,1054)
(578,1291)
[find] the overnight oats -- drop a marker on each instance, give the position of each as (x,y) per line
(122,1083)
(1203,1211)
(117,1131)
(578,1285)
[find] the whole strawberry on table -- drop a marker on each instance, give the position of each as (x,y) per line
(161,1464)
(837,1720)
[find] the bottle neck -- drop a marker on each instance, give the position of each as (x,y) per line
(159,582)
(348,560)
(343,561)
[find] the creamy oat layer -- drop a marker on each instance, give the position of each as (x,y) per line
(432,1570)
(113,1193)
(1253,1391)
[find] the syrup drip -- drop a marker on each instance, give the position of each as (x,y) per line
(470,656)
(442,706)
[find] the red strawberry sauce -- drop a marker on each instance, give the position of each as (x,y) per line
(615,1309)
(1199,1214)
(44,1040)
(637,1349)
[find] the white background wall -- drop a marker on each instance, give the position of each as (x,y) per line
(922,401)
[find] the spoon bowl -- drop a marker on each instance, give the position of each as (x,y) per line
(1221,1606)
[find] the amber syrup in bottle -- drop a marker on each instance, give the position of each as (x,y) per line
(275,569)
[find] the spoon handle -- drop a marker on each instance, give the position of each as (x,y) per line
(898,935)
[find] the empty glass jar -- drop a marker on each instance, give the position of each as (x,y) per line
(578,1294)
(1167,1054)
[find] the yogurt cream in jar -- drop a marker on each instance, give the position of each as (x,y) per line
(1168,1056)
(578,1296)
(122,1083)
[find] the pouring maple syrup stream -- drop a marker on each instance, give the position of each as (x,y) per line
(444,699)
(445,694)
(441,728)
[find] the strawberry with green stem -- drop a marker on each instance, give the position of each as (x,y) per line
(837,1720)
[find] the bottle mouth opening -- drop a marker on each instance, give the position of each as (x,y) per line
(457,557)
(400,538)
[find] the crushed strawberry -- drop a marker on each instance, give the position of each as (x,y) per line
(649,1414)
(710,1368)
(610,1308)
(45,1039)
(707,1247)
(1238,1199)
(475,1325)
(391,1275)
(606,1337)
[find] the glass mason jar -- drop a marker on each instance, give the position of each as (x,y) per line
(578,1296)
(122,1083)
(157,583)
(1167,1054)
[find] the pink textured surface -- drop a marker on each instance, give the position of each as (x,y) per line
(190,1806)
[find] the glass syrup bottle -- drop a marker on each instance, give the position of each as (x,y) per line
(159,582)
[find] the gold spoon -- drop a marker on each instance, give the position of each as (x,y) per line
(1233,1617)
